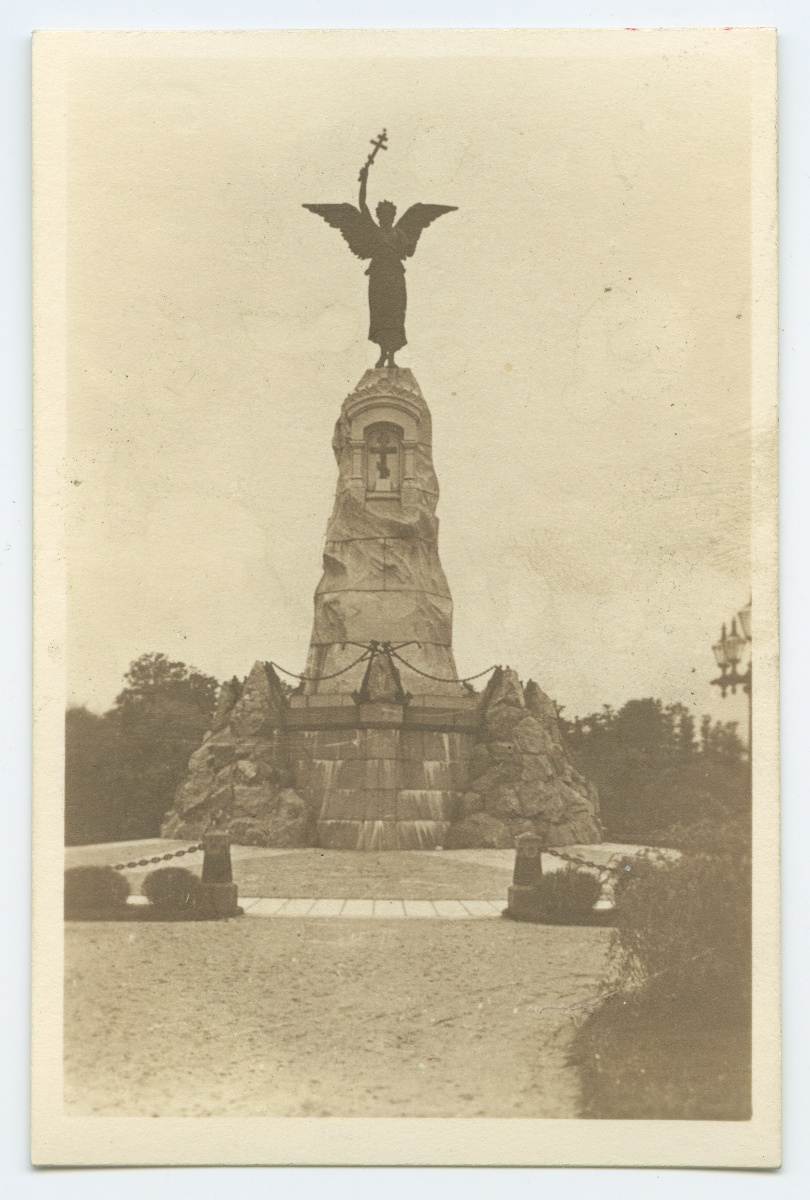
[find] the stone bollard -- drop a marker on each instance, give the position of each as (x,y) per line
(524,899)
(219,893)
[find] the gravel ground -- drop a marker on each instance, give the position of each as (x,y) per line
(319,1017)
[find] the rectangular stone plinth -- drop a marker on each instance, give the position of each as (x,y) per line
(314,712)
(394,805)
(322,718)
(380,716)
(389,780)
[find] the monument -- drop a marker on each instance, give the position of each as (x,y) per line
(381,746)
(385,725)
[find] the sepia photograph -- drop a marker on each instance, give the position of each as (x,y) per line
(405,540)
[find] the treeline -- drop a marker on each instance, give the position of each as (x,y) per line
(657,772)
(654,768)
(122,768)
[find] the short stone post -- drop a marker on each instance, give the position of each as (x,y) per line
(524,894)
(219,892)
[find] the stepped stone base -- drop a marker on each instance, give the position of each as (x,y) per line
(384,776)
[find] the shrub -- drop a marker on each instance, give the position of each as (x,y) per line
(172,889)
(568,894)
(94,890)
(673,1037)
(683,929)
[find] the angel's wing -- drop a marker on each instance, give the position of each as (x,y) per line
(417,218)
(357,227)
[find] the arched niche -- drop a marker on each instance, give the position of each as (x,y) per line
(391,407)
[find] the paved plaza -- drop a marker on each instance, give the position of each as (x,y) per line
(381,985)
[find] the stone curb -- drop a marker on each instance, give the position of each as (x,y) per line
(445,910)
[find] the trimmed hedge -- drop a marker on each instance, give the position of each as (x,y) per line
(92,891)
(172,890)
(568,895)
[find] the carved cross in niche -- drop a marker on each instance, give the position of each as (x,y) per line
(383,450)
(383,459)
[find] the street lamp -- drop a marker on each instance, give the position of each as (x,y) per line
(728,652)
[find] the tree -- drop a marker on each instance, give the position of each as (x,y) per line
(123,768)
(651,774)
(89,777)
(154,674)
(721,739)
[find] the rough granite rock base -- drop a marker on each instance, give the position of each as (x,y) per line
(521,779)
(243,772)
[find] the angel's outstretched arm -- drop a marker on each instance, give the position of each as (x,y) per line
(363,182)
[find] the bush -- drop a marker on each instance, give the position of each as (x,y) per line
(94,890)
(568,895)
(638,1061)
(683,929)
(172,890)
(673,1038)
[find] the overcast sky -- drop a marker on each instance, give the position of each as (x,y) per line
(580,329)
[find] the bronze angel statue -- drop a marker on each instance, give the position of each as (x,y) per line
(386,244)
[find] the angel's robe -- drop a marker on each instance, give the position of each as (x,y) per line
(387,297)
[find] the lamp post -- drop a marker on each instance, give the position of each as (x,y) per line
(728,652)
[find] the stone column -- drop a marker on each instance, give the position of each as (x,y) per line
(524,898)
(218,895)
(382,747)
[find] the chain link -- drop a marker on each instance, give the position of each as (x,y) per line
(580,862)
(384,648)
(145,862)
(318,678)
(439,678)
(585,862)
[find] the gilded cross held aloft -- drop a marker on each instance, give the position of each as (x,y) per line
(379,143)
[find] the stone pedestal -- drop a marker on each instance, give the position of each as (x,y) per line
(382,578)
(219,900)
(381,749)
(218,893)
(391,752)
(523,895)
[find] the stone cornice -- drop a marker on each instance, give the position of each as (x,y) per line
(393,382)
